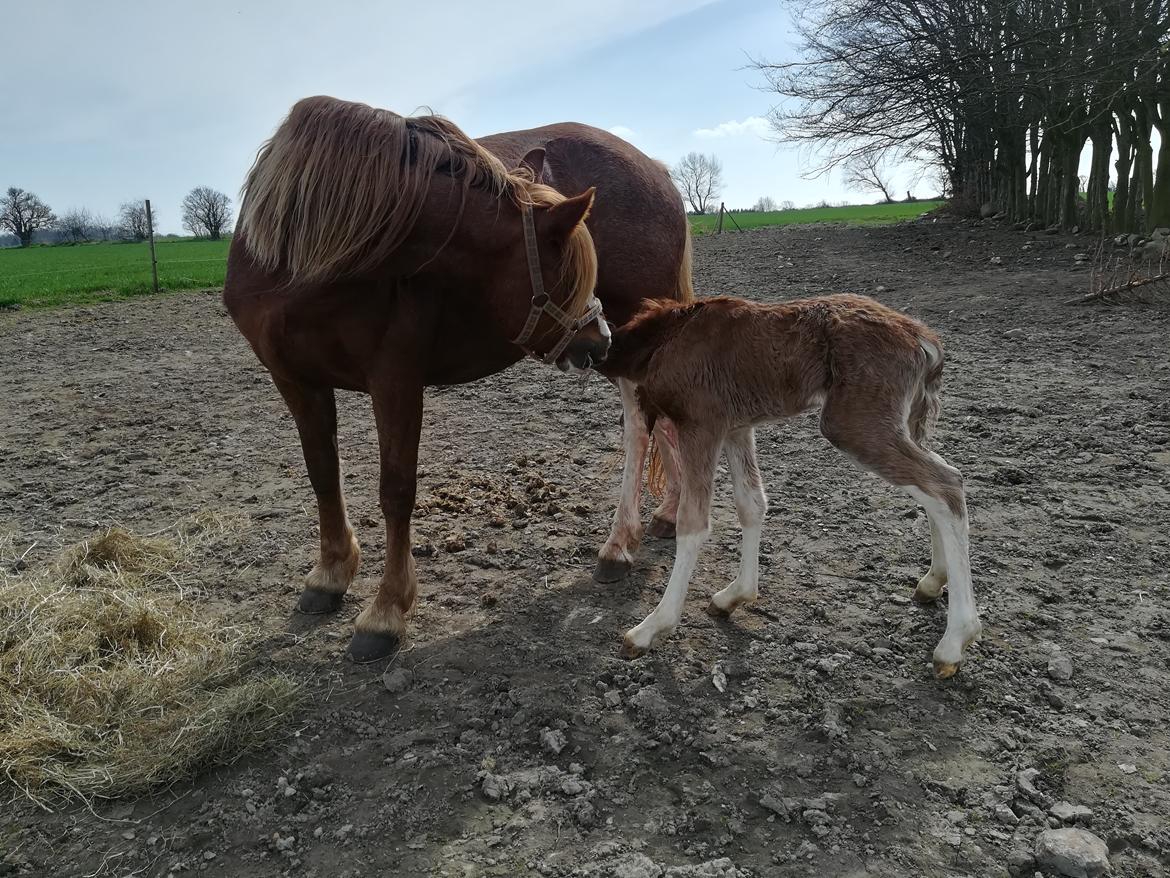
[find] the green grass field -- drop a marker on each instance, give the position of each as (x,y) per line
(859,214)
(45,276)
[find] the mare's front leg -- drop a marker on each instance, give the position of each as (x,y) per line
(617,555)
(698,451)
(398,408)
(315,411)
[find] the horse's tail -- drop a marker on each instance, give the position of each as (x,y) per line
(685,292)
(925,406)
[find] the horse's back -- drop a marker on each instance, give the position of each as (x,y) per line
(637,221)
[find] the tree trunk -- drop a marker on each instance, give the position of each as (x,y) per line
(1158,214)
(1121,210)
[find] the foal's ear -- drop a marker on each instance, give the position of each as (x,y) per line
(560,219)
(534,162)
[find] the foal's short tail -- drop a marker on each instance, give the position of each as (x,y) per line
(924,408)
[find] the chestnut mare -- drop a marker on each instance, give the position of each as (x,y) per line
(383,254)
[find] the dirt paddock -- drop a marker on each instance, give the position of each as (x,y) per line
(804,737)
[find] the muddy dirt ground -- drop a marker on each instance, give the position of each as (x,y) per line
(518,742)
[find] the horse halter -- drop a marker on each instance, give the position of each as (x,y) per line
(542,304)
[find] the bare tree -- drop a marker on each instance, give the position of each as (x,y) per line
(77,225)
(787,205)
(206,212)
(103,227)
(23,214)
(864,173)
(765,204)
(700,177)
(132,220)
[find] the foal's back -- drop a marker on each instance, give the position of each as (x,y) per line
(738,362)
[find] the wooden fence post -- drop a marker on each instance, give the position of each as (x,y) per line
(150,234)
(719,231)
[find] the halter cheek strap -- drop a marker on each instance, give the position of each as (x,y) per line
(543,305)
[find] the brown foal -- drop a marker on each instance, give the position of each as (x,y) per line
(718,367)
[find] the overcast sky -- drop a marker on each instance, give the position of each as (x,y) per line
(148,99)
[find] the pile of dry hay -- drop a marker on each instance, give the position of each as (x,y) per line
(111,684)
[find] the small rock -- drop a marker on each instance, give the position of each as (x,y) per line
(721,868)
(553,741)
(997,260)
(649,703)
(493,787)
(636,866)
(1026,784)
(1021,863)
(1006,815)
(1069,813)
(1015,333)
(612,698)
(397,680)
(1076,853)
(1060,667)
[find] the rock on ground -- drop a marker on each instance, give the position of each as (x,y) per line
(1076,853)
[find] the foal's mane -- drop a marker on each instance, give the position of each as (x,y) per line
(340,186)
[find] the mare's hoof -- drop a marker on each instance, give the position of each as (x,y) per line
(371,646)
(945,670)
(609,570)
(631,651)
(661,528)
(315,602)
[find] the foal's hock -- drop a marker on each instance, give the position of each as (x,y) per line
(709,371)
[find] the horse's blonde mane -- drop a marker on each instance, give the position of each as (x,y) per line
(340,186)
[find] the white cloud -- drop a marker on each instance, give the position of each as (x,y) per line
(623,132)
(756,126)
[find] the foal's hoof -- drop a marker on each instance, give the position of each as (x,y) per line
(661,528)
(315,602)
(717,612)
(609,570)
(945,670)
(631,650)
(371,646)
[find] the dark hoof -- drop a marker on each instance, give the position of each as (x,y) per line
(608,570)
(661,528)
(371,646)
(315,602)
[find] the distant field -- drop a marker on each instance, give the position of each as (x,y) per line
(859,214)
(43,276)
(47,276)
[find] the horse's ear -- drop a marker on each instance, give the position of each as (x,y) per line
(559,220)
(534,162)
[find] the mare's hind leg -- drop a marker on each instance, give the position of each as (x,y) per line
(663,522)
(880,442)
(751,504)
(698,452)
(398,409)
(617,555)
(315,413)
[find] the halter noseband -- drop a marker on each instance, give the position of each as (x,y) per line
(542,304)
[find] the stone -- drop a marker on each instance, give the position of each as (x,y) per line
(1060,667)
(996,260)
(397,680)
(636,866)
(1021,863)
(1076,853)
(721,868)
(987,210)
(1066,812)
(553,741)
(1026,784)
(1015,333)
(1006,815)
(650,703)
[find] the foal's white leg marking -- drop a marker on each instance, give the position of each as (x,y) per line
(751,504)
(931,584)
(666,616)
(626,532)
(963,624)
